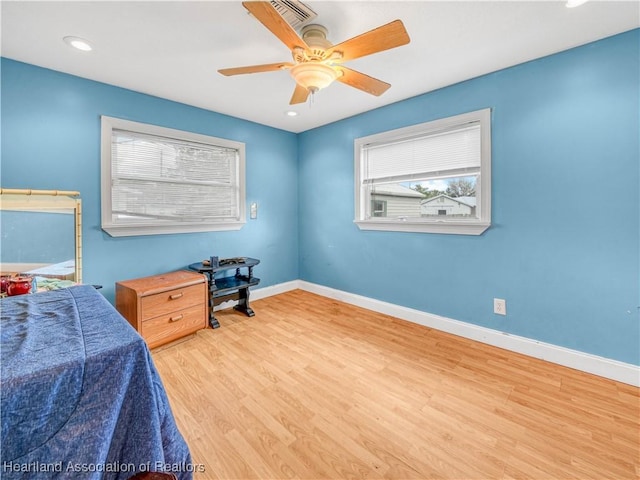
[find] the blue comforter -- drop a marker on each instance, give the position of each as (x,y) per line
(81,397)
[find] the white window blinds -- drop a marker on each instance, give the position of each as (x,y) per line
(450,153)
(162,179)
(433,177)
(158,180)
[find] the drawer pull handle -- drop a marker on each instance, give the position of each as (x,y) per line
(176,296)
(175,319)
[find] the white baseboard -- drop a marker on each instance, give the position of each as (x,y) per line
(258,293)
(601,366)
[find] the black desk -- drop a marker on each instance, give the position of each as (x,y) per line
(224,287)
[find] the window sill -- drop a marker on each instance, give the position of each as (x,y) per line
(448,227)
(135,230)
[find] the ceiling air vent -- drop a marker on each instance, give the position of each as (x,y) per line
(295,13)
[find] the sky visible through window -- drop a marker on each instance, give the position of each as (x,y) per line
(444,184)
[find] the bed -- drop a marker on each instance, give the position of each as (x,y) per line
(81,398)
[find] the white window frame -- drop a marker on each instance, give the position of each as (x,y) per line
(108,124)
(472,226)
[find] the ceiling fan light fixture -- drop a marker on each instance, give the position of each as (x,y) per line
(313,76)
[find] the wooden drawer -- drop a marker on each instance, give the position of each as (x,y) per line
(164,307)
(170,326)
(171,300)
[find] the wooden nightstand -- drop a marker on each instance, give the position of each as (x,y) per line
(165,307)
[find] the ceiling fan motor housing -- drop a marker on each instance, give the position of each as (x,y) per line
(310,70)
(315,36)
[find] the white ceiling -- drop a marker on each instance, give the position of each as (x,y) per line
(174,49)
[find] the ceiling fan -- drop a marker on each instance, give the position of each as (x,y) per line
(316,62)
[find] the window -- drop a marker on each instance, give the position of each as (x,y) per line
(158,180)
(379,208)
(434,177)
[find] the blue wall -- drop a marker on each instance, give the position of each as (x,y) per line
(51,140)
(563,249)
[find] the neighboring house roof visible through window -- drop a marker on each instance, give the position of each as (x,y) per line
(469,201)
(395,190)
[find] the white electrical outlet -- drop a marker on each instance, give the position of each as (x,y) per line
(253,210)
(499,306)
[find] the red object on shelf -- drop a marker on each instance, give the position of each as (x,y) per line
(19,286)
(4,283)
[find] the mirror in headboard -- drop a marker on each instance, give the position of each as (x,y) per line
(41,233)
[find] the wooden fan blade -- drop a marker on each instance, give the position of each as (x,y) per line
(270,18)
(268,67)
(300,95)
(363,82)
(388,36)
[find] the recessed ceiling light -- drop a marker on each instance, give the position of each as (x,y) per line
(79,43)
(291,113)
(575,3)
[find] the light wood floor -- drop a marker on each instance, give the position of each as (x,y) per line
(312,388)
